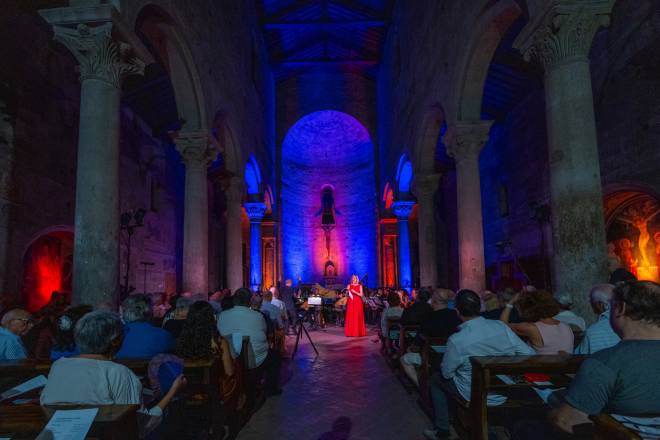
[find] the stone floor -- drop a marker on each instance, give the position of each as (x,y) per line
(347,392)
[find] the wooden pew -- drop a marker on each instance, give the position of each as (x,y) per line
(607,428)
(113,422)
(430,361)
(406,333)
(472,417)
(387,343)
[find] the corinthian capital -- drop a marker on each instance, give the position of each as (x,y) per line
(255,211)
(195,148)
(465,139)
(102,43)
(563,31)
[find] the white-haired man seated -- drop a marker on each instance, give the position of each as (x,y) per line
(15,323)
(567,316)
(600,334)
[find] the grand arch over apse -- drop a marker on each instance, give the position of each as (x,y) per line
(323,151)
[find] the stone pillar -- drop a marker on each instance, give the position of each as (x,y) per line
(561,41)
(6,180)
(234,254)
(104,61)
(197,156)
(402,210)
(255,212)
(466,139)
(425,187)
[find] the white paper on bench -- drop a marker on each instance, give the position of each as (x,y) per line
(439,348)
(506,379)
(32,384)
(69,424)
(544,393)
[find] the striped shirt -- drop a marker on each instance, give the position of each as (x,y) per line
(11,346)
(598,336)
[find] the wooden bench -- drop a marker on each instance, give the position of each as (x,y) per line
(472,417)
(387,343)
(113,422)
(431,360)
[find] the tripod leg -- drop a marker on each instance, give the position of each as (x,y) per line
(298,336)
(310,341)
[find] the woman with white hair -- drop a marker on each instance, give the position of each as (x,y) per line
(98,380)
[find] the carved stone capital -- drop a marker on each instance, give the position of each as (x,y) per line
(255,211)
(402,209)
(564,31)
(195,148)
(466,139)
(425,185)
(105,46)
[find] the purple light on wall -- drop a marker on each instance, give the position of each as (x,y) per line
(328,148)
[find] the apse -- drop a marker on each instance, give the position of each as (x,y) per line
(328,200)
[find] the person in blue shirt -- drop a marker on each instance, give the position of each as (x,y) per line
(15,323)
(141,339)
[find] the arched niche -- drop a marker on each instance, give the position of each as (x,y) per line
(252,177)
(47,267)
(404,175)
(328,149)
(632,222)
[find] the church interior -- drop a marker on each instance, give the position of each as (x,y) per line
(190,151)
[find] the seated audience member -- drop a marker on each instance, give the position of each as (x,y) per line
(600,334)
(566,315)
(419,310)
(405,298)
(243,321)
(227,302)
(543,332)
(141,339)
(175,324)
(503,298)
(200,339)
(274,313)
(476,337)
(617,273)
(393,310)
(215,299)
(440,322)
(92,378)
(621,380)
(15,323)
(490,302)
(64,344)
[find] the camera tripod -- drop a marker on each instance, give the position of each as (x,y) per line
(299,332)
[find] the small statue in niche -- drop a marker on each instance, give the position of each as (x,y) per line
(639,217)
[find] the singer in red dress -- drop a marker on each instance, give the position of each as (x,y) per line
(354,325)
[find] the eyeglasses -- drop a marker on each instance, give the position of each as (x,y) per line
(27,321)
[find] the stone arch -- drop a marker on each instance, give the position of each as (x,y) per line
(427,139)
(162,30)
(472,69)
(404,177)
(252,177)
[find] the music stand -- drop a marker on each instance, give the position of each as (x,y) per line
(299,332)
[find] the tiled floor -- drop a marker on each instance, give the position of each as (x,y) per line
(346,393)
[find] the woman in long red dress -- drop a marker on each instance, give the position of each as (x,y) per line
(354,325)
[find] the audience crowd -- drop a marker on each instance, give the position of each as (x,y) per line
(619,376)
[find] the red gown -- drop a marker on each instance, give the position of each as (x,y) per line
(354,325)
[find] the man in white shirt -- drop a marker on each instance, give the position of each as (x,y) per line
(15,323)
(600,334)
(273,312)
(242,320)
(477,337)
(567,316)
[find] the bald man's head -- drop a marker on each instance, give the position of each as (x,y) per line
(17,321)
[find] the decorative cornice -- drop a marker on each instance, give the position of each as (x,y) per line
(564,31)
(195,148)
(465,139)
(402,209)
(255,211)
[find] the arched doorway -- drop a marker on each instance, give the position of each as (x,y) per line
(328,199)
(47,267)
(632,222)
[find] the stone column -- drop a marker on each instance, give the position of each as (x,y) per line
(425,187)
(104,61)
(234,254)
(402,210)
(560,40)
(6,180)
(255,212)
(197,156)
(466,139)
